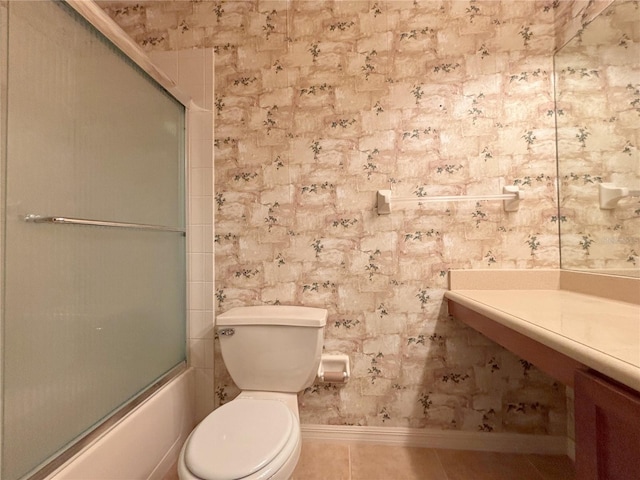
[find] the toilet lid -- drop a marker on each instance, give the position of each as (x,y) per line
(238,439)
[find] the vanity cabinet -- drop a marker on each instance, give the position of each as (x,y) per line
(607,429)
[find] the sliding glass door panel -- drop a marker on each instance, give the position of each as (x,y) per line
(92,315)
(87,126)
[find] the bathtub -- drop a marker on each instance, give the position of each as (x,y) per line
(145,443)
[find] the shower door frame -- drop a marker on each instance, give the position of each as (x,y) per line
(95,16)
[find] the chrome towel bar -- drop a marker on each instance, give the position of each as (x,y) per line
(99,223)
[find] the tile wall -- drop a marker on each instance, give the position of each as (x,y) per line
(192,70)
(320,104)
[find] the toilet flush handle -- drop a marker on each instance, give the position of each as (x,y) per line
(226,332)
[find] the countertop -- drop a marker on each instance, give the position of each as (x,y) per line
(597,331)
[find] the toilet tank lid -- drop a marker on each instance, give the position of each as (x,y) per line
(274,315)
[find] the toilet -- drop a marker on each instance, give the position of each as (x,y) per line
(272,353)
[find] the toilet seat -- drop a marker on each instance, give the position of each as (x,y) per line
(244,439)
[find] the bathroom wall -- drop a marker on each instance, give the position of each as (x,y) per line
(318,104)
(598,97)
(573,15)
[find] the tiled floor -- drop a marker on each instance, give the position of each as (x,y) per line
(329,461)
(325,461)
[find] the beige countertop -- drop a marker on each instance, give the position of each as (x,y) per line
(597,331)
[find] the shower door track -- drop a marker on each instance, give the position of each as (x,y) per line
(70,451)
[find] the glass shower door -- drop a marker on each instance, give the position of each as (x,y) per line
(92,314)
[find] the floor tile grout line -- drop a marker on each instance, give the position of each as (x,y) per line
(535,469)
(444,470)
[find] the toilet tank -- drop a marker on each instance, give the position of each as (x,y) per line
(273,348)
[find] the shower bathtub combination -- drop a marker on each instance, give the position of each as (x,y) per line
(93,175)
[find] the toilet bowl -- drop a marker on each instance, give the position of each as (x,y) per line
(271,353)
(254,437)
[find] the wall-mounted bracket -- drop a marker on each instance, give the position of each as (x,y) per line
(512,204)
(610,194)
(384,202)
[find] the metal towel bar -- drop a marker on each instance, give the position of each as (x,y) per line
(99,223)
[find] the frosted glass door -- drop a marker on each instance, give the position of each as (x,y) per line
(93,315)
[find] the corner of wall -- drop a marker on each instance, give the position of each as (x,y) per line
(192,71)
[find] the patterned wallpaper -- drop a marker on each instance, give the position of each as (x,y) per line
(321,103)
(598,90)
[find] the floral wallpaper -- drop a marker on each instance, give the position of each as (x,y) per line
(321,103)
(598,91)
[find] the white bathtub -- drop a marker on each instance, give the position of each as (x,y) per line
(145,443)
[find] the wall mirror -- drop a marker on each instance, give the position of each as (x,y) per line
(597,88)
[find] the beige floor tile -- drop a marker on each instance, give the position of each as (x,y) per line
(468,465)
(379,462)
(322,461)
(554,467)
(172,474)
(331,461)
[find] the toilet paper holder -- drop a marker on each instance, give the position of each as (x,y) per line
(334,368)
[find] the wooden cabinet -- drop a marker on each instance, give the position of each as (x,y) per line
(607,429)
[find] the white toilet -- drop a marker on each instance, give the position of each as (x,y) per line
(272,353)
